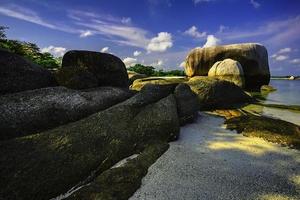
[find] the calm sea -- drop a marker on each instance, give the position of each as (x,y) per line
(288,92)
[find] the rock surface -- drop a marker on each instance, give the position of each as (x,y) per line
(33,111)
(187,103)
(212,93)
(18,74)
(229,70)
(134,76)
(253,58)
(45,165)
(87,69)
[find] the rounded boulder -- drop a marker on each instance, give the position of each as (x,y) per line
(229,70)
(88,69)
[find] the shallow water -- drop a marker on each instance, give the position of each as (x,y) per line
(288,92)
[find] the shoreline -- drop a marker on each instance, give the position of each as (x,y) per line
(208,160)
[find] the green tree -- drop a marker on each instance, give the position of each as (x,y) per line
(28,50)
(138,68)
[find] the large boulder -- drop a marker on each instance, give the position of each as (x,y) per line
(213,93)
(187,103)
(33,111)
(229,70)
(45,165)
(18,74)
(87,69)
(253,58)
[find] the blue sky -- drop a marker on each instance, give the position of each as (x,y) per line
(158,32)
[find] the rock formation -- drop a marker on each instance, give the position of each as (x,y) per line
(87,69)
(229,70)
(33,111)
(253,58)
(18,74)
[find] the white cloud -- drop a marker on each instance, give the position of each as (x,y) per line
(137,53)
(212,41)
(126,20)
(55,51)
(161,43)
(25,14)
(87,33)
(255,4)
(284,50)
(104,50)
(201,1)
(295,61)
(182,64)
(278,32)
(129,61)
(280,57)
(194,32)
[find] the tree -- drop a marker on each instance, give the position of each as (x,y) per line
(2,32)
(150,71)
(139,68)
(28,50)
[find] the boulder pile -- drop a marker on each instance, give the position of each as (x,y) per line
(252,57)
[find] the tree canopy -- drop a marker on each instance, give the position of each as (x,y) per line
(150,71)
(28,50)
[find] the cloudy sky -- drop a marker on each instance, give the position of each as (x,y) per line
(157,32)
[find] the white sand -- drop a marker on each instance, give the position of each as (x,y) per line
(209,162)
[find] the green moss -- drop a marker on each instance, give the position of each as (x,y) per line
(121,183)
(272,130)
(140,83)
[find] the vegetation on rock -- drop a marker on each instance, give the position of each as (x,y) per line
(28,50)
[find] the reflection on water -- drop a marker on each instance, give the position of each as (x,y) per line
(287,93)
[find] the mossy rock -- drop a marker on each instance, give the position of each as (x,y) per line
(214,93)
(187,103)
(45,165)
(267,88)
(88,69)
(270,129)
(121,183)
(140,83)
(34,111)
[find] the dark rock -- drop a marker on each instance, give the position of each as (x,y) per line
(187,103)
(107,69)
(18,74)
(45,165)
(213,93)
(253,58)
(33,111)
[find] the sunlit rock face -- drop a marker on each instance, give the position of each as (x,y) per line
(253,58)
(229,70)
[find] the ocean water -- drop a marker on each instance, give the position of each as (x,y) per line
(288,92)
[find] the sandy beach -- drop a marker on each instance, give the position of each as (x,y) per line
(210,162)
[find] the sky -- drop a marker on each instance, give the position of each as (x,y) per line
(157,32)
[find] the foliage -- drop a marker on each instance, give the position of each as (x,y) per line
(150,71)
(141,69)
(28,50)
